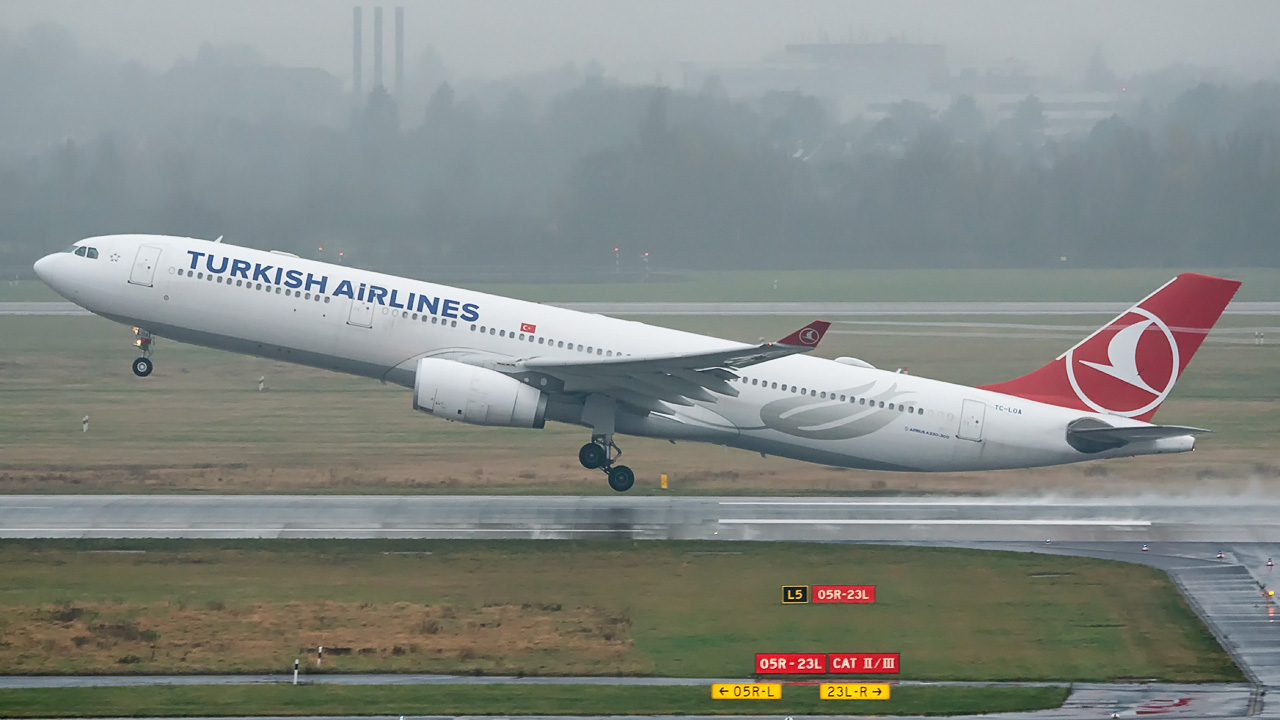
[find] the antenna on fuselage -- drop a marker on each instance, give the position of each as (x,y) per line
(219,239)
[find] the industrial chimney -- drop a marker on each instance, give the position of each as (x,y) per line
(377,47)
(400,54)
(357,69)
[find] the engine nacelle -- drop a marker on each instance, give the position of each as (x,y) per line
(457,391)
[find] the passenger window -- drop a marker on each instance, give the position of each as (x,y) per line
(775,386)
(502,333)
(493,331)
(521,336)
(881,403)
(862,401)
(560,344)
(434,319)
(326,298)
(540,340)
(277,291)
(822,395)
(754,381)
(841,398)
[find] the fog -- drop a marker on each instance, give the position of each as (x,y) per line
(501,37)
(534,138)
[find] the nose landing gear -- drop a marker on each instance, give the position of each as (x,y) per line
(599,453)
(142,366)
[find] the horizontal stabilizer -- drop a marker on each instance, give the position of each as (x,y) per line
(1089,435)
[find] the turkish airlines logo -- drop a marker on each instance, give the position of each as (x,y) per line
(809,336)
(1127,371)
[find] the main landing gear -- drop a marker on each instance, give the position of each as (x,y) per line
(142,366)
(599,454)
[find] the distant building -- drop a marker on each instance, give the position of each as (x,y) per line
(867,78)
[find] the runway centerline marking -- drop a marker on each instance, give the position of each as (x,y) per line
(922,521)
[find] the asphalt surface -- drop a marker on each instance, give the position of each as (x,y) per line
(1196,518)
(815,309)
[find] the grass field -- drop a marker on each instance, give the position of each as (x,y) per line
(1055,284)
(596,608)
(198,424)
(498,700)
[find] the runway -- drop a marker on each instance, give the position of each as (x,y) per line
(808,309)
(1240,519)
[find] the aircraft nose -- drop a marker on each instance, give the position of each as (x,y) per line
(52,270)
(43,267)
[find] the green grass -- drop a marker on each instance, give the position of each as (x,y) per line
(1053,284)
(26,291)
(199,424)
(1056,284)
(500,700)
(678,609)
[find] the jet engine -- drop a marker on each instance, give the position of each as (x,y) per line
(457,391)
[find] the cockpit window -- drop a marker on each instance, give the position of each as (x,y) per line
(81,251)
(93,253)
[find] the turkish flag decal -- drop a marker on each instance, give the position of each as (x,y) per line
(527,328)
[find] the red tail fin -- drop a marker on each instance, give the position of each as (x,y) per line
(1129,367)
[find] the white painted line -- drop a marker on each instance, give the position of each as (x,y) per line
(1006,502)
(921,521)
(950,502)
(8,530)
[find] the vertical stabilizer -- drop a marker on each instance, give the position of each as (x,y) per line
(1129,367)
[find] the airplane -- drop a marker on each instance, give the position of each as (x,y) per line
(488,360)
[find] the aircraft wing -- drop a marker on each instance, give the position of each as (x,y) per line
(677,378)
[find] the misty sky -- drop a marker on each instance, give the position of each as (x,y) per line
(632,38)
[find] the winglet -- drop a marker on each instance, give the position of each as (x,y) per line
(808,336)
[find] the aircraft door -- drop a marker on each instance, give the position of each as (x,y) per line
(361,314)
(971,415)
(144,265)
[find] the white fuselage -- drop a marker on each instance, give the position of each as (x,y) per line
(282,307)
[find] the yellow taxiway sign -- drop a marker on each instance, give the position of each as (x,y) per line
(853,691)
(746,691)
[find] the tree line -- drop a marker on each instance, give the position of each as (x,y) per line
(554,184)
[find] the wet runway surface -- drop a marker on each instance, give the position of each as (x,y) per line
(1182,536)
(1244,519)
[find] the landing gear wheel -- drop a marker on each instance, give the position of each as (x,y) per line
(142,367)
(592,456)
(621,478)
